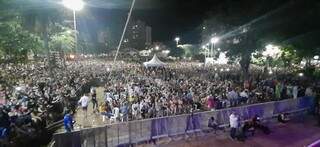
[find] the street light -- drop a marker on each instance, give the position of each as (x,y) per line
(301,74)
(270,72)
(213,41)
(74,5)
(177,39)
(205,50)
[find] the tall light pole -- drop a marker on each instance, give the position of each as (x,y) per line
(74,5)
(177,39)
(213,41)
(205,51)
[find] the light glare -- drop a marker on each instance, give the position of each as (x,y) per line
(177,39)
(271,51)
(301,74)
(214,40)
(74,5)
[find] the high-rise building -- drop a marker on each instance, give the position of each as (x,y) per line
(138,35)
(148,35)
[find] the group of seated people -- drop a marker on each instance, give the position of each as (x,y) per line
(241,130)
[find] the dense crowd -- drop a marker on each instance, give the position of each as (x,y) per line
(31,99)
(32,96)
(136,92)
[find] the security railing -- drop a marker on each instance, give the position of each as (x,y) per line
(132,132)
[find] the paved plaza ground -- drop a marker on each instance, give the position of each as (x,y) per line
(294,134)
(93,119)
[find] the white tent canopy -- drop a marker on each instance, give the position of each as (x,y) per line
(154,62)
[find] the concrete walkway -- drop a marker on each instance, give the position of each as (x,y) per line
(289,135)
(93,119)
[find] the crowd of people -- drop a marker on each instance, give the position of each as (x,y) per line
(33,96)
(137,92)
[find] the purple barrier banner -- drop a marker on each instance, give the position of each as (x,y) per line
(193,122)
(159,127)
(143,130)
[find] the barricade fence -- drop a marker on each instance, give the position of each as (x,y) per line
(131,132)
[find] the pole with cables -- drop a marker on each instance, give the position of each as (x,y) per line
(117,52)
(122,36)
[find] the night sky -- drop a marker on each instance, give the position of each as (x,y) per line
(183,18)
(168,18)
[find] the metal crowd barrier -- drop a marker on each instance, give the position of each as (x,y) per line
(132,132)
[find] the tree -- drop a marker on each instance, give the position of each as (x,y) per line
(62,41)
(40,21)
(16,43)
(236,31)
(244,32)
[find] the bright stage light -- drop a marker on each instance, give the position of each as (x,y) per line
(177,39)
(271,51)
(301,74)
(214,40)
(270,72)
(72,56)
(74,5)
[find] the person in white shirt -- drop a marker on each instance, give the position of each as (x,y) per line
(309,92)
(84,102)
(116,112)
(108,97)
(244,96)
(295,92)
(135,109)
(232,97)
(234,124)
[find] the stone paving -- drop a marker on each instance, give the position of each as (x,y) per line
(93,119)
(290,135)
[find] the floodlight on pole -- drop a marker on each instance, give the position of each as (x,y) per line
(301,74)
(213,41)
(74,5)
(177,39)
(205,51)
